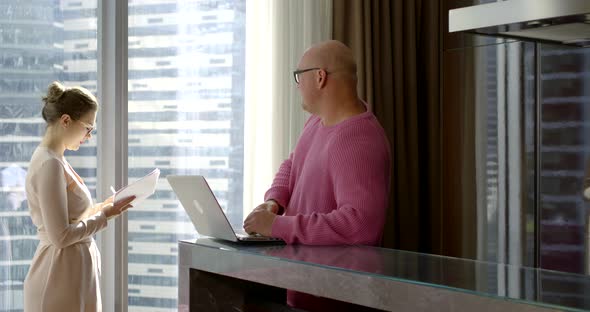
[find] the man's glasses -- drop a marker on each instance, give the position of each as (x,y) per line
(90,129)
(301,71)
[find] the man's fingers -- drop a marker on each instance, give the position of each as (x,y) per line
(248,224)
(250,231)
(273,208)
(250,217)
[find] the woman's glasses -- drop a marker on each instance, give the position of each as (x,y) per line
(90,129)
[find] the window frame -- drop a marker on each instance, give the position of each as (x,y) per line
(112,162)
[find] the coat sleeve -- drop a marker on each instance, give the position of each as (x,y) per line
(53,199)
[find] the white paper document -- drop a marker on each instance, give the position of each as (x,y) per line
(141,189)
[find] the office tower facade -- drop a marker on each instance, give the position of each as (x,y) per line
(186,116)
(564,150)
(35,49)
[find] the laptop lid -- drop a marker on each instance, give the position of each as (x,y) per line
(202,207)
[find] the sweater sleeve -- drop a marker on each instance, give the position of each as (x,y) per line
(279,191)
(51,186)
(359,171)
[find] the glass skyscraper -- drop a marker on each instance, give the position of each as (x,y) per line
(32,55)
(186,116)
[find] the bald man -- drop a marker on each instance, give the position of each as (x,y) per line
(332,190)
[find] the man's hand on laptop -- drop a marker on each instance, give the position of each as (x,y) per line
(270,205)
(261,218)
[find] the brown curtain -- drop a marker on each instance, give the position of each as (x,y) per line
(397,46)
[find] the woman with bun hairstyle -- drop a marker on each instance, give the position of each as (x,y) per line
(64,274)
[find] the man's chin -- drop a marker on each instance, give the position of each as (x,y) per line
(305,108)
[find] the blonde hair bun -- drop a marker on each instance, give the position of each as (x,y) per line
(74,101)
(54,92)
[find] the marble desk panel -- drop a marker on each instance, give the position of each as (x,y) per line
(385,279)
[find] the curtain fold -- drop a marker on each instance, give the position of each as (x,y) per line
(397,45)
(277,34)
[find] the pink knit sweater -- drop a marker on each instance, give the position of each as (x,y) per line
(334,185)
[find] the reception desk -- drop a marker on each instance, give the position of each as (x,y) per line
(222,276)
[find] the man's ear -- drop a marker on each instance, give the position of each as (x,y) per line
(322,76)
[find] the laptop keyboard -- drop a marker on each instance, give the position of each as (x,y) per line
(242,235)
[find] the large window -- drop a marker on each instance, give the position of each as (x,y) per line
(186,116)
(186,94)
(40,41)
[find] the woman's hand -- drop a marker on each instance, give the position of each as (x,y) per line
(111,209)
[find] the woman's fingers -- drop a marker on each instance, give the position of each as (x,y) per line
(125,201)
(117,208)
(126,207)
(109,200)
(125,204)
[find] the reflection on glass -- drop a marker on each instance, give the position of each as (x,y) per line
(487,106)
(504,106)
(504,142)
(565,149)
(186,112)
(40,41)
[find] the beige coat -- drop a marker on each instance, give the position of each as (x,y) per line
(64,274)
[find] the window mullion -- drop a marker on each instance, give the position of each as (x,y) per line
(112,145)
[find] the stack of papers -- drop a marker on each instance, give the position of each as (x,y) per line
(141,189)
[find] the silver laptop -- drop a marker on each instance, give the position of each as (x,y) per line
(204,210)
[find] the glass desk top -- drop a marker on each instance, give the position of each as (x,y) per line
(565,291)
